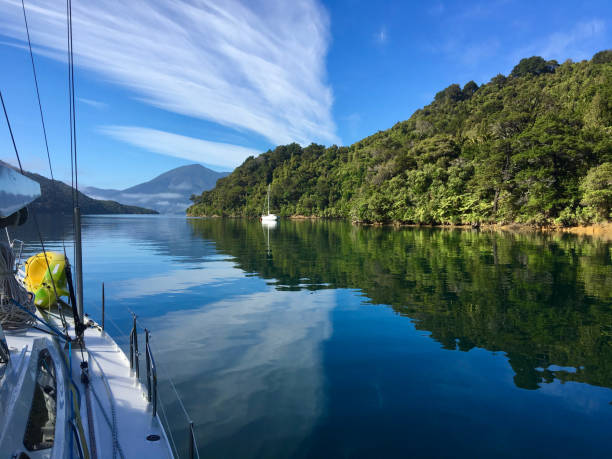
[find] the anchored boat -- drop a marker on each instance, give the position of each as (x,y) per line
(268,218)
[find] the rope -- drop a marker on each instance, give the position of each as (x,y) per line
(90,423)
(12,316)
(109,393)
(51,327)
(75,397)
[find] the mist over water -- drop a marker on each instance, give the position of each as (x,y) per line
(323,339)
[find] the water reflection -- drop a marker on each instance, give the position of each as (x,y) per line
(320,339)
(250,370)
(544,300)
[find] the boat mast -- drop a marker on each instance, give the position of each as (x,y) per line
(78,250)
(78,260)
(268,199)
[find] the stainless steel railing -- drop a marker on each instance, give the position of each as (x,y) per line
(134,364)
(151,374)
(151,382)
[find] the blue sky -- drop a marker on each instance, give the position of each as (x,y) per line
(164,83)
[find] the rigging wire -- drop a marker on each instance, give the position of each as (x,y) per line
(42,119)
(71,92)
(164,418)
(74,229)
(8,123)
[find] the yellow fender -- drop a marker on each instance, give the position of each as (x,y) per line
(39,278)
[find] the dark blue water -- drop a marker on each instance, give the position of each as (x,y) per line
(322,339)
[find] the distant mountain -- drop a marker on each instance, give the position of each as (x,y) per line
(56,197)
(167,193)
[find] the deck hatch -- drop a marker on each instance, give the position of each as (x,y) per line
(40,430)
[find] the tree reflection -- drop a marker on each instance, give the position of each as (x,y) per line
(545,300)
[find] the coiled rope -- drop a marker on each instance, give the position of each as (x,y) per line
(11,316)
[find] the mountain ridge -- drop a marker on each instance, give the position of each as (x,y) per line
(56,197)
(168,192)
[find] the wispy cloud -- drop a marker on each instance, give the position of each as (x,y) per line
(436,8)
(468,53)
(482,10)
(576,43)
(381,36)
(352,122)
(92,103)
(255,67)
(214,153)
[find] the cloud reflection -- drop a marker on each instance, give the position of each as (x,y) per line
(250,365)
(176,281)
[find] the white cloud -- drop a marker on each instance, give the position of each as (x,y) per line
(263,349)
(436,9)
(577,43)
(92,103)
(468,53)
(176,281)
(215,153)
(257,67)
(151,197)
(381,36)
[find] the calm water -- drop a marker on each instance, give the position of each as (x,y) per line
(321,339)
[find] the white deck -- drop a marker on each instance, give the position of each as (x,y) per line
(133,413)
(115,398)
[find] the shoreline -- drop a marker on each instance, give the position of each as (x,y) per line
(598,230)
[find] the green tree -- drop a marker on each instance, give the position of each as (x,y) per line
(498,80)
(534,65)
(469,89)
(452,93)
(597,190)
(602,57)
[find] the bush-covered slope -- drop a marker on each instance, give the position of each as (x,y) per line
(56,198)
(533,147)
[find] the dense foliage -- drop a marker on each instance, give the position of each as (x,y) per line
(517,149)
(541,299)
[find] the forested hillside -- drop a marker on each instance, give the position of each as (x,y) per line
(56,198)
(533,147)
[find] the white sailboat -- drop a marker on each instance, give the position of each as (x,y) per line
(66,388)
(268,218)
